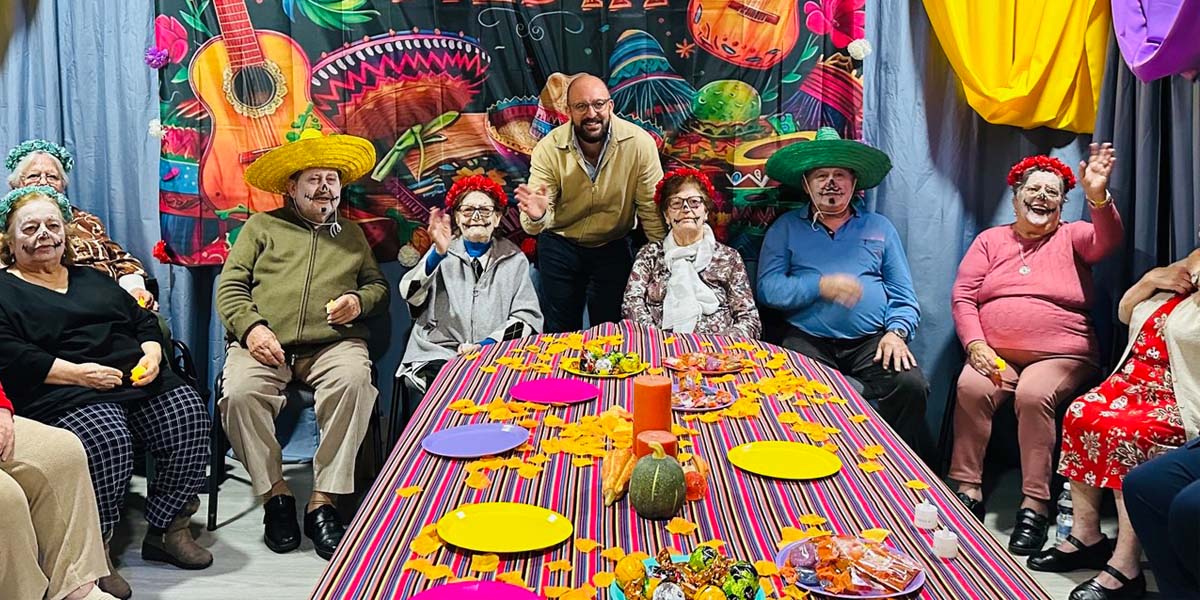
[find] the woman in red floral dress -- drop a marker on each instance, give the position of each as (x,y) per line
(1125,421)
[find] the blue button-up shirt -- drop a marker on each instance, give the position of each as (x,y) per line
(795,255)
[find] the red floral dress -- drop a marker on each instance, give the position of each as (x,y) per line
(1130,418)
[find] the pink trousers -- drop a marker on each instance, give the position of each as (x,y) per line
(1036,383)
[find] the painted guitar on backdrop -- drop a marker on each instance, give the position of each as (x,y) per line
(254,84)
(755,34)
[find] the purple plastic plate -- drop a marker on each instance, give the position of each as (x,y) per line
(474,441)
(492,590)
(914,585)
(554,390)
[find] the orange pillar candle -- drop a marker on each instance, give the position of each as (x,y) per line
(651,408)
(666,438)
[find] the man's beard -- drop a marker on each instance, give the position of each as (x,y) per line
(582,133)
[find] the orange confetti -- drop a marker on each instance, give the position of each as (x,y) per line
(559,565)
(670,340)
(512,577)
(683,457)
(419,565)
(916,485)
(554,591)
(639,556)
(872,451)
(681,526)
(586,592)
(585,545)
(478,481)
(438,572)
(471,356)
(528,423)
(553,421)
(406,492)
(425,545)
(655,371)
(528,471)
(614,554)
(766,568)
(488,369)
(537,459)
(714,544)
(767,586)
(876,535)
(582,461)
(603,579)
(859,418)
(812,520)
(484,563)
(870,466)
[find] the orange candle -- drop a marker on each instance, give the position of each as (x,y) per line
(651,408)
(666,438)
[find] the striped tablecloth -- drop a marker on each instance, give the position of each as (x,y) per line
(746,511)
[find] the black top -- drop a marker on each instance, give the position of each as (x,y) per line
(93,321)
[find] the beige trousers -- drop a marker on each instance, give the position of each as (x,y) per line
(48,520)
(345,399)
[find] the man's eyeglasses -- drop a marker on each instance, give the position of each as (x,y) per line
(32,178)
(598,105)
(472,211)
(693,202)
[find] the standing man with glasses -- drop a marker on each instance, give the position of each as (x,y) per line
(590,182)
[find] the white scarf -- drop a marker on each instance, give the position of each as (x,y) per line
(688,297)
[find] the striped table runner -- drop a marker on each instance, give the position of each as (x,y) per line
(746,511)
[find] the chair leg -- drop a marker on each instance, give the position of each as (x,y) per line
(946,436)
(216,469)
(396,413)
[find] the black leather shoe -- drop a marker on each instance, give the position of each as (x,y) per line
(324,527)
(281,532)
(1053,560)
(1029,534)
(1092,590)
(973,505)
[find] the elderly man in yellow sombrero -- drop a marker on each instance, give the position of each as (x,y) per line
(840,276)
(292,296)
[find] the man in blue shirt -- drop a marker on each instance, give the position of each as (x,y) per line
(841,279)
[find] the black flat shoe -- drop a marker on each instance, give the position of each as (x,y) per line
(973,505)
(324,527)
(1053,560)
(281,532)
(1092,590)
(1029,534)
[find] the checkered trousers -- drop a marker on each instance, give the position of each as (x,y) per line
(173,426)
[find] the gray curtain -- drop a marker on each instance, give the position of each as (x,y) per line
(948,179)
(1156,183)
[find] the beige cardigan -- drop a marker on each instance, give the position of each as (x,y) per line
(1182,336)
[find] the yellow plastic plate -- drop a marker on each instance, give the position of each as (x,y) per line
(785,460)
(504,527)
(571,365)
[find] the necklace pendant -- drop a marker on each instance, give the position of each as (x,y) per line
(1024,270)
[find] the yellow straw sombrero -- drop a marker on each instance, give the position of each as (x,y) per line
(351,156)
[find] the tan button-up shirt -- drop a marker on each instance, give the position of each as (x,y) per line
(593,213)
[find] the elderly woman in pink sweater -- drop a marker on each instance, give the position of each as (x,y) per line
(1020,305)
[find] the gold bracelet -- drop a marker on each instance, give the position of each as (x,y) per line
(1101,204)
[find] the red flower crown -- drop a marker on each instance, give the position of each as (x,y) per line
(705,183)
(476,183)
(1042,162)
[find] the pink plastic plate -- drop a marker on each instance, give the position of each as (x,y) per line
(492,590)
(554,390)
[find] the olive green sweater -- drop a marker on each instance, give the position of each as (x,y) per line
(282,271)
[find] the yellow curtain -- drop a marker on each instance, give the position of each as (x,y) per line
(1028,63)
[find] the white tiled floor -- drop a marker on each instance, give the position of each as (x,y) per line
(244,569)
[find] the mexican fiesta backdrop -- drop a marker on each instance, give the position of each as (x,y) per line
(447,88)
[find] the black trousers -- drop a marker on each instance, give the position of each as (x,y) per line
(1163,500)
(574,275)
(901,395)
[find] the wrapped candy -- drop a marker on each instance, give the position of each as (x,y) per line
(702,558)
(742,582)
(668,591)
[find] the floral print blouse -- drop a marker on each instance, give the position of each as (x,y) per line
(725,275)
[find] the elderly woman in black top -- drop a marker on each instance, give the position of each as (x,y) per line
(77,352)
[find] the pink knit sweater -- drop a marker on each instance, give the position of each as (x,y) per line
(1046,310)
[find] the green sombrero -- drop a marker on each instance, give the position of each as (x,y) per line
(789,164)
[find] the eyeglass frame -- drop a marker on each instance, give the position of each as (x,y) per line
(596,105)
(30,179)
(471,211)
(687,202)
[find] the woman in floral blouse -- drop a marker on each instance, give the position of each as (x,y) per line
(689,282)
(1149,405)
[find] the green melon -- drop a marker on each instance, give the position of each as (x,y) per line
(657,488)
